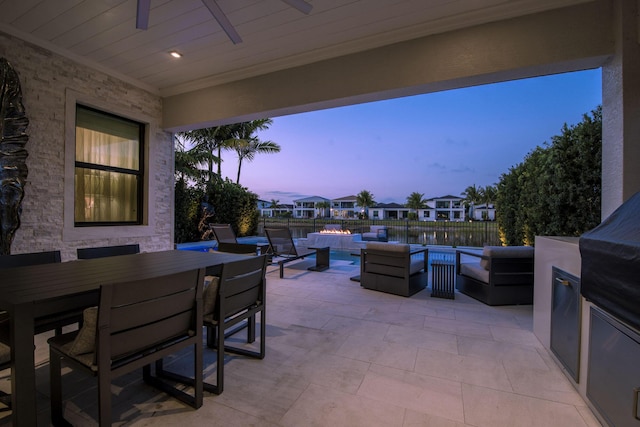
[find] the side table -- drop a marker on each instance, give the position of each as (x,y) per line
(443,279)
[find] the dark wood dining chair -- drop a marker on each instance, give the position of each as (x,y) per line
(231,302)
(42,324)
(5,363)
(31,258)
(239,295)
(135,324)
(107,251)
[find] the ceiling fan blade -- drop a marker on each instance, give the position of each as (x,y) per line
(222,19)
(142,16)
(301,5)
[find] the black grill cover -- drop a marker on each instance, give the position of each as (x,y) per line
(610,276)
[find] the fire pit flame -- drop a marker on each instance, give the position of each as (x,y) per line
(335,232)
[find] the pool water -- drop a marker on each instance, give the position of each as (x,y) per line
(205,245)
(440,254)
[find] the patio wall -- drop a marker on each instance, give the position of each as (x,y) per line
(51,84)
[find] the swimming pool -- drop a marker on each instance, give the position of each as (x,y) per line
(439,253)
(205,245)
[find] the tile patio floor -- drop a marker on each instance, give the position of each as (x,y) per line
(339,355)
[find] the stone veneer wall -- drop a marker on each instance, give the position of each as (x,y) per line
(45,78)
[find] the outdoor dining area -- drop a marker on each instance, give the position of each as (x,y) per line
(310,347)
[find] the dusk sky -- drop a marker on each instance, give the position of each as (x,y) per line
(436,144)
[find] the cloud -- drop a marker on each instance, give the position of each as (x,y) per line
(283,196)
(437,166)
(456,143)
(463,169)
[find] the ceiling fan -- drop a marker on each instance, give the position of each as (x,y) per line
(142,17)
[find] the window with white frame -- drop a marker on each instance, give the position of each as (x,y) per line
(108,169)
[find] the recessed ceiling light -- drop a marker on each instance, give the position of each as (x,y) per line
(175,54)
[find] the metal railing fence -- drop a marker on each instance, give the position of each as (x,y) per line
(445,233)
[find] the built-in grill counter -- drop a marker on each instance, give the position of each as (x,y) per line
(566,318)
(610,281)
(559,321)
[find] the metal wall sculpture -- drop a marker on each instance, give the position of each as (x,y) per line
(13,155)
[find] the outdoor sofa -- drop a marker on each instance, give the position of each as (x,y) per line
(393,268)
(499,275)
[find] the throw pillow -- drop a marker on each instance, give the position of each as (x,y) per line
(210,296)
(486,251)
(85,341)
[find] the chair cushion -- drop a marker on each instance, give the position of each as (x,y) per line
(390,247)
(210,297)
(474,270)
(85,341)
(376,228)
(416,266)
(505,252)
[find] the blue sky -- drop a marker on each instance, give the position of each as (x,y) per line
(435,144)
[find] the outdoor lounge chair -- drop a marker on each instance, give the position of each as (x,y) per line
(228,242)
(136,323)
(281,245)
(500,275)
(376,233)
(393,268)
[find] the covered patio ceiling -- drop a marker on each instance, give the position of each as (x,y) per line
(275,35)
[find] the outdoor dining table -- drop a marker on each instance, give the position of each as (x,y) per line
(34,292)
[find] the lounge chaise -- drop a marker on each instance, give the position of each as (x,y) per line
(228,242)
(281,245)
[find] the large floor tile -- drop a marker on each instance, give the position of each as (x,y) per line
(465,369)
(322,406)
(380,352)
(421,393)
(484,407)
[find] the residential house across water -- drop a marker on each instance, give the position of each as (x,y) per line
(445,208)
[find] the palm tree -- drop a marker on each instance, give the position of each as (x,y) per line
(206,142)
(275,204)
(323,205)
(471,196)
(416,201)
(365,200)
(186,163)
(488,195)
(247,145)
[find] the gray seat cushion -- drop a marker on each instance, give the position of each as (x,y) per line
(475,271)
(416,266)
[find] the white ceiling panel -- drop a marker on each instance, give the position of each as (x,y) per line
(275,35)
